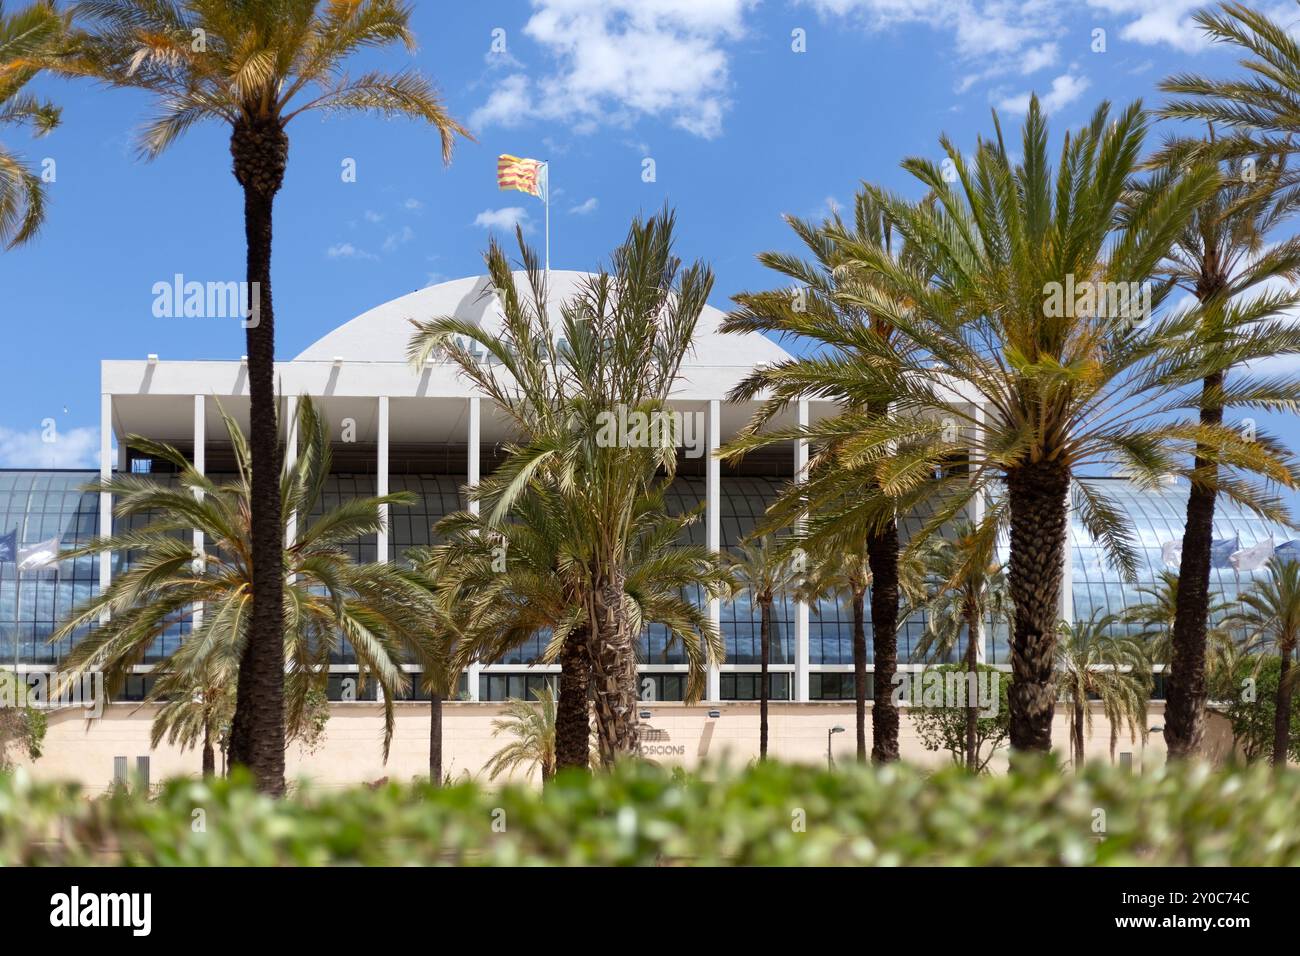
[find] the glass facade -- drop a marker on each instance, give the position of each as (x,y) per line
(39,505)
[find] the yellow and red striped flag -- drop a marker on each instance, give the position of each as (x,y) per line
(516,172)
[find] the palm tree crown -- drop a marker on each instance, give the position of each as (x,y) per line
(251,62)
(26,36)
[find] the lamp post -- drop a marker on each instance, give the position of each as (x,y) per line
(830,761)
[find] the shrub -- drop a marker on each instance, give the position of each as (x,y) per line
(769,814)
(1252,706)
(944,728)
(22,728)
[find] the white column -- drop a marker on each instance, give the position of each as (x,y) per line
(200,465)
(472,450)
(105,499)
(290,459)
(381,489)
(472,479)
(381,477)
(800,689)
(713,524)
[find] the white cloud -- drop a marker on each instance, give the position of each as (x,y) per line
(74,448)
(508,105)
(585,207)
(372,216)
(504,219)
(1066,88)
(617,60)
(413,205)
(1039,57)
(1158,21)
(994,38)
(346,250)
(398,239)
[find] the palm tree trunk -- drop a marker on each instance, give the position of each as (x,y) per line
(1078,735)
(613,672)
(1185,689)
(572,711)
(860,671)
(882,558)
(1038,493)
(209,755)
(1282,712)
(435,739)
(261,152)
(972,667)
(764,685)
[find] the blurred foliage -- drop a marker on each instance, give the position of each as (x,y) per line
(638,814)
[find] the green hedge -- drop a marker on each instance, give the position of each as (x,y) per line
(644,815)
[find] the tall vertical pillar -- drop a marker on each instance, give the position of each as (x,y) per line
(800,690)
(381,489)
(291,458)
(713,524)
(381,479)
(105,499)
(472,480)
(199,459)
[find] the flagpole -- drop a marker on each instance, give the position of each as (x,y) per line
(547,200)
(18,597)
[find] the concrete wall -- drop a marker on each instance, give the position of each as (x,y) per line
(351,752)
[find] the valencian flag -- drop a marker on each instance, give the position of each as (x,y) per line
(525,175)
(532,176)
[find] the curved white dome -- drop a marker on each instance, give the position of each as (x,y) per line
(382,334)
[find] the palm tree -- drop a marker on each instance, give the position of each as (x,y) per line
(837,574)
(25,36)
(767,573)
(960,586)
(1033,352)
(196,710)
(841,505)
(1270,613)
(1265,105)
(504,585)
(533,728)
(255,65)
(1263,116)
(435,649)
(1091,662)
(1222,253)
(378,608)
(507,583)
(616,350)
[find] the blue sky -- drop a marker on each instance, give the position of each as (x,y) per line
(741,127)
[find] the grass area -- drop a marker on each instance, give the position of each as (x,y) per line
(644,815)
